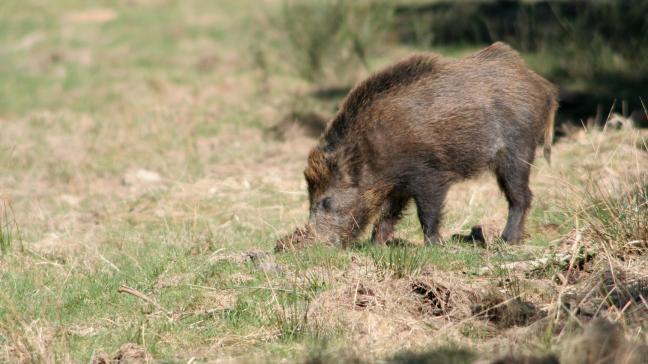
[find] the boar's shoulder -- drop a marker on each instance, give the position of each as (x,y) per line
(379,84)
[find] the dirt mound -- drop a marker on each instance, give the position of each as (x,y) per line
(298,239)
(438,294)
(435,298)
(392,312)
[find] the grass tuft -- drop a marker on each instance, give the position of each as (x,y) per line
(399,261)
(291,319)
(8,228)
(617,220)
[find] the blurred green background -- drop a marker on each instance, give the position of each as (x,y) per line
(595,50)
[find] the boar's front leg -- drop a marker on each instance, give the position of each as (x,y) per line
(513,179)
(429,197)
(390,213)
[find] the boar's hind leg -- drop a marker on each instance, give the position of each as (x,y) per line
(513,178)
(429,205)
(391,212)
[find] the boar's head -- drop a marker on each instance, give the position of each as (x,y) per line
(339,208)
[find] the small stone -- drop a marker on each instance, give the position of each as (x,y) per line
(141,176)
(148,176)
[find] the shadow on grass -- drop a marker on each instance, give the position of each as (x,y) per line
(446,355)
(441,355)
(476,237)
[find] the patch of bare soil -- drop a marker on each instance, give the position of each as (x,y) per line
(373,314)
(97,16)
(435,297)
(438,295)
(505,313)
(127,353)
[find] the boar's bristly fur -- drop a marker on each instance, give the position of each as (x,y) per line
(411,130)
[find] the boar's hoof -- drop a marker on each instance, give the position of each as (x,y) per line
(476,236)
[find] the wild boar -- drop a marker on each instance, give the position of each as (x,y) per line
(411,130)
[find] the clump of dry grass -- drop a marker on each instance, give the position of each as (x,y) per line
(618,220)
(612,291)
(389,313)
(604,275)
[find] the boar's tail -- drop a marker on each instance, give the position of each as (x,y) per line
(549,130)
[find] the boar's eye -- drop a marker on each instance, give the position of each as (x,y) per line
(326,204)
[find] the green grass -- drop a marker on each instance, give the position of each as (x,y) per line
(318,256)
(89,298)
(406,261)
(9,233)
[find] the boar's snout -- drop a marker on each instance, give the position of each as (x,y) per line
(326,225)
(335,218)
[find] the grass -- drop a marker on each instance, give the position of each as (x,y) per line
(407,261)
(9,233)
(618,219)
(93,97)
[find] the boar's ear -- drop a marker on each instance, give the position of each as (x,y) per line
(319,170)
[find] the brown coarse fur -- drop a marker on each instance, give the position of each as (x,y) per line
(411,130)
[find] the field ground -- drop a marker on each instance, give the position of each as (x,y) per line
(141,192)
